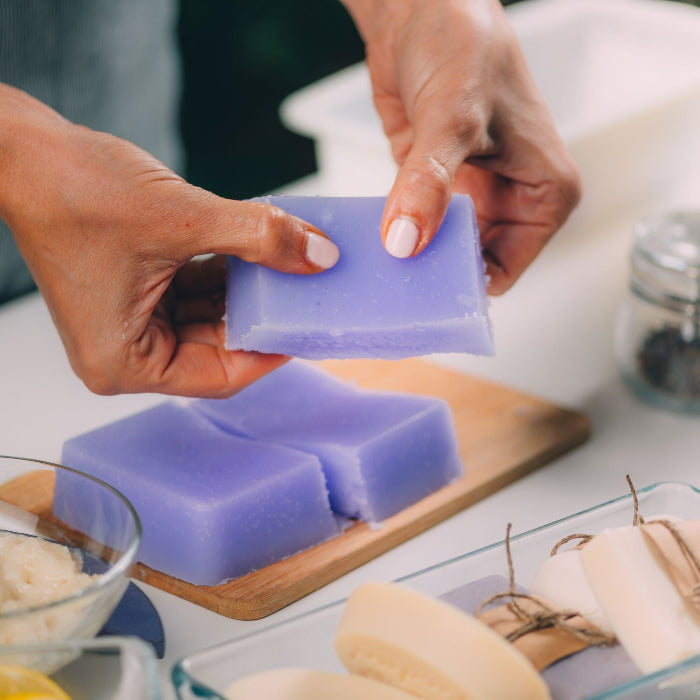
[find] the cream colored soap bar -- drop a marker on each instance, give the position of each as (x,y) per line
(648,615)
(430,649)
(561,580)
(303,684)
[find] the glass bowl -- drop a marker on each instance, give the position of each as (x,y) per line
(104,668)
(92,533)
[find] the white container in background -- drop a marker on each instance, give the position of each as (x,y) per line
(621,79)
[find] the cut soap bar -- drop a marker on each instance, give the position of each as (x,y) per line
(561,580)
(380,451)
(651,619)
(369,304)
(214,506)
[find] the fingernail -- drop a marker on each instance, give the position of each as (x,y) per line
(401,238)
(321,251)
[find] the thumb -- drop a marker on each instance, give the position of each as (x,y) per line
(422,190)
(255,232)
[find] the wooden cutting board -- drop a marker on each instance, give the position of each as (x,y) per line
(503,435)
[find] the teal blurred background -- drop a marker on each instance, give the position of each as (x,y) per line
(240,61)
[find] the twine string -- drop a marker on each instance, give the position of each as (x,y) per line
(543,616)
(564,540)
(637,519)
(693,595)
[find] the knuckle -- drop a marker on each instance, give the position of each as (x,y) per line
(556,192)
(463,126)
(565,191)
(428,174)
(99,371)
(465,123)
(271,237)
(98,382)
(469,124)
(572,187)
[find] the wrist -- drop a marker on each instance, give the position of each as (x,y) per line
(29,134)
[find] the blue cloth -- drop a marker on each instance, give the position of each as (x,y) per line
(111,65)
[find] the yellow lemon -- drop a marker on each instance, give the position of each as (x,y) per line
(17,683)
(31,696)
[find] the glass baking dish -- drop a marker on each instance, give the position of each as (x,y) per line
(307,640)
(101,668)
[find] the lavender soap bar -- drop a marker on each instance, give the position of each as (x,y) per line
(214,506)
(380,451)
(369,304)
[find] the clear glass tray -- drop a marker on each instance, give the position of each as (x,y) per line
(307,641)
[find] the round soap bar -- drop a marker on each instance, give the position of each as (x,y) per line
(303,684)
(430,649)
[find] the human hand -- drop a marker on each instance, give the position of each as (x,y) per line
(462,113)
(109,234)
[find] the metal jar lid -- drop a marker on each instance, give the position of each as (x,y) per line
(665,260)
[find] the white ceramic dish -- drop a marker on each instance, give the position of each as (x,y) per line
(104,668)
(307,641)
(621,78)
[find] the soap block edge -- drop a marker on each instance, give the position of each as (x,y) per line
(436,414)
(479,323)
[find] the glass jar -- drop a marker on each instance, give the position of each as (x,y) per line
(657,339)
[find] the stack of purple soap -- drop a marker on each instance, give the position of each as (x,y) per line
(380,451)
(225,487)
(213,506)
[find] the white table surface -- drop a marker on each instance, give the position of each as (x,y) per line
(554,334)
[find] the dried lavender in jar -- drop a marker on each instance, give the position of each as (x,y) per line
(670,363)
(658,333)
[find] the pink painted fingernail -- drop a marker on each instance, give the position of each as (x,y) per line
(321,251)
(402,238)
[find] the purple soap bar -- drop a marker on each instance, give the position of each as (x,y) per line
(213,506)
(369,304)
(380,451)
